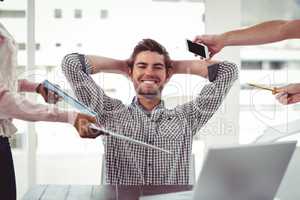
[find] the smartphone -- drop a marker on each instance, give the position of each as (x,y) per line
(198,49)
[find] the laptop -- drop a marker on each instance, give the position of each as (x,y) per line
(289,188)
(243,172)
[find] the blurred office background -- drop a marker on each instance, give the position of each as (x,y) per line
(45,31)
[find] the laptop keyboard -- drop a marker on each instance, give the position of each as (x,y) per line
(186,195)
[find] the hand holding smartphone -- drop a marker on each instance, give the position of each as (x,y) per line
(198,49)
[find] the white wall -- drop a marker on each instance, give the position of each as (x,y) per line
(221,16)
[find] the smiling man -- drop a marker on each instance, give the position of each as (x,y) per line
(146,118)
(147,76)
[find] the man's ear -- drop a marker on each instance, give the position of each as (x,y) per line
(130,72)
(169,73)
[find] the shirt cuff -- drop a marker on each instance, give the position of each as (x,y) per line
(213,71)
(67,116)
(27,86)
(85,65)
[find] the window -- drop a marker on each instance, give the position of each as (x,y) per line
(22,46)
(277,65)
(251,65)
(12,13)
(57,13)
(37,46)
(103,14)
(77,13)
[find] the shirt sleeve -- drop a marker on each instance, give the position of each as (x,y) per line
(13,106)
(26,86)
(77,70)
(203,107)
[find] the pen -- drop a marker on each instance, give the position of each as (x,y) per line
(274,90)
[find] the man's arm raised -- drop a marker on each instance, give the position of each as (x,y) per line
(77,69)
(194,67)
(221,77)
(105,64)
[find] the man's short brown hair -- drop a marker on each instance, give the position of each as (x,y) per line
(149,45)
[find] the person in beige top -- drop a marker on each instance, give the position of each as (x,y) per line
(14,106)
(266,32)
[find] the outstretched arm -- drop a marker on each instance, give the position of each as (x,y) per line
(20,108)
(266,32)
(28,86)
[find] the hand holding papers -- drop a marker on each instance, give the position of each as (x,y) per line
(273,90)
(122,137)
(69,99)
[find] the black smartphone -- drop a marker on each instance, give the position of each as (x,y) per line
(198,49)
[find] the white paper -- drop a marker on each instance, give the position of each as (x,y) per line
(69,99)
(122,137)
(275,133)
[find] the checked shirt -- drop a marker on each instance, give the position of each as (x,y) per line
(171,129)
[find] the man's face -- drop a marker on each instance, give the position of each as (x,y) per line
(149,74)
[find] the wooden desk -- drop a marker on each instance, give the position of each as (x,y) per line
(101,192)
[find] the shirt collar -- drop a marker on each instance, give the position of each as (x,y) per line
(136,103)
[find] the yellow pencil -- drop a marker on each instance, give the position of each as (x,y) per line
(274,90)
